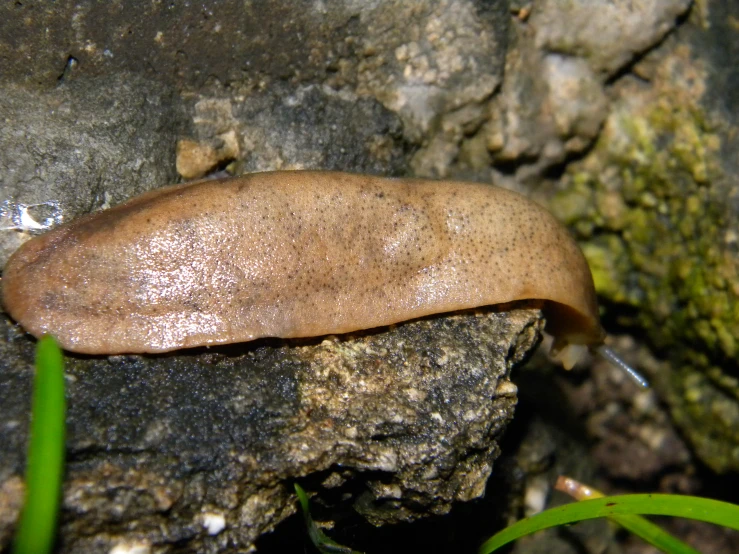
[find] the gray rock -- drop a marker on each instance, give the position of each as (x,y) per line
(201,448)
(82,146)
(443,57)
(180,43)
(607,34)
(305,127)
(550,108)
(190,45)
(436,70)
(553,102)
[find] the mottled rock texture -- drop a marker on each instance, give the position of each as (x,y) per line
(158,444)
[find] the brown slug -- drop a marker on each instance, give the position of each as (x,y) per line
(295,254)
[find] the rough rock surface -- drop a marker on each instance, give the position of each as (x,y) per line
(162,449)
(181,43)
(554,99)
(82,146)
(288,127)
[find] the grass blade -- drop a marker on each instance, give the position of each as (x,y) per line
(653,534)
(45,464)
(639,526)
(691,507)
(323,543)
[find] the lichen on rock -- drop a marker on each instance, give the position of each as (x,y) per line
(657,210)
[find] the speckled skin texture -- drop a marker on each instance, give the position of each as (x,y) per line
(293,254)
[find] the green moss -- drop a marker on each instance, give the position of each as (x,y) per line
(576,202)
(658,246)
(603,259)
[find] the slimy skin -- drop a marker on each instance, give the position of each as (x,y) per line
(294,254)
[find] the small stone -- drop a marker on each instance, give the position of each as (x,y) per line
(195,160)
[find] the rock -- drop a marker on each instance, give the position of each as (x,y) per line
(180,44)
(606,34)
(553,101)
(194,160)
(301,127)
(84,146)
(201,448)
(656,203)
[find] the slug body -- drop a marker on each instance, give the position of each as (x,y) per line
(294,254)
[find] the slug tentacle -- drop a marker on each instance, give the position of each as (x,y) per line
(610,356)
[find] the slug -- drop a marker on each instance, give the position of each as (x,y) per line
(295,254)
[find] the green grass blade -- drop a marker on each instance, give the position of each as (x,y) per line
(323,543)
(45,464)
(691,507)
(643,528)
(315,534)
(653,534)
